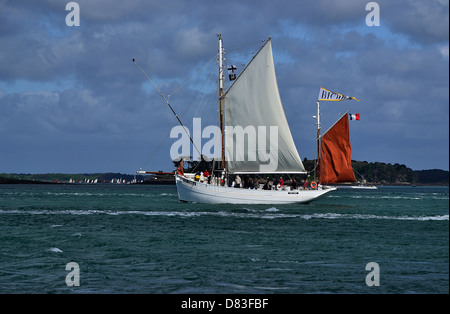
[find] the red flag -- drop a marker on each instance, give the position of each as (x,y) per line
(354,116)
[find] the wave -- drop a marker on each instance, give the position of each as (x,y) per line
(84,194)
(55,250)
(394,197)
(363,217)
(270,213)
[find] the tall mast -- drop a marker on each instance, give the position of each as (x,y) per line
(317,167)
(221,90)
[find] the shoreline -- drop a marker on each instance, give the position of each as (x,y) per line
(4,180)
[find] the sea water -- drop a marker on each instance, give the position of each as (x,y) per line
(132,239)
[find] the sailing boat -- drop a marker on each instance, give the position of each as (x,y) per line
(251,103)
(335,164)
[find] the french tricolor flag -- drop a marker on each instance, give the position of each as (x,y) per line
(354,116)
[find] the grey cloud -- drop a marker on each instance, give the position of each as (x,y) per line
(403,86)
(422,21)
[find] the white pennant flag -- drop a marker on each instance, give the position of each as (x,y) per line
(325,94)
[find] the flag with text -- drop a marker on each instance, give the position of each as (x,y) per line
(325,94)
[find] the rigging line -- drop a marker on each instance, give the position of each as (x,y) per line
(159,145)
(167,135)
(241,55)
(173,111)
(210,100)
(195,74)
(314,169)
(253,43)
(201,101)
(206,99)
(362,177)
(154,151)
(193,98)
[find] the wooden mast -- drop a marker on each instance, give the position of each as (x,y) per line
(317,167)
(221,91)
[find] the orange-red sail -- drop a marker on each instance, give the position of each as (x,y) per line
(335,154)
(180,170)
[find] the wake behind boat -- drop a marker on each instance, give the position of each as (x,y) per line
(355,187)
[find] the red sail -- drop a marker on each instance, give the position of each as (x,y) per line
(335,154)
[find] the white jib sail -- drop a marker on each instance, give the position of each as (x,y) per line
(257,135)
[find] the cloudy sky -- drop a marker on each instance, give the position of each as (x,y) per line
(71,99)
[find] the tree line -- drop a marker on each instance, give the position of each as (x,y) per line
(380,173)
(377,173)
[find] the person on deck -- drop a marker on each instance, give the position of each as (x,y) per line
(293,184)
(207,176)
(237,181)
(251,185)
(275,183)
(266,185)
(281,183)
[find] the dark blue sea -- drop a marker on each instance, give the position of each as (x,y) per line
(137,239)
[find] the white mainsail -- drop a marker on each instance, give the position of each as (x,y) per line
(253,107)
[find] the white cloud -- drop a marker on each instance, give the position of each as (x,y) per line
(444,51)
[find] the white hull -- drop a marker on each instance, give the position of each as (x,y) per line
(194,191)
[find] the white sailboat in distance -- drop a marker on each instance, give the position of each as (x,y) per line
(252,103)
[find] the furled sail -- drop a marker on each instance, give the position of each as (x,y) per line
(335,154)
(257,135)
